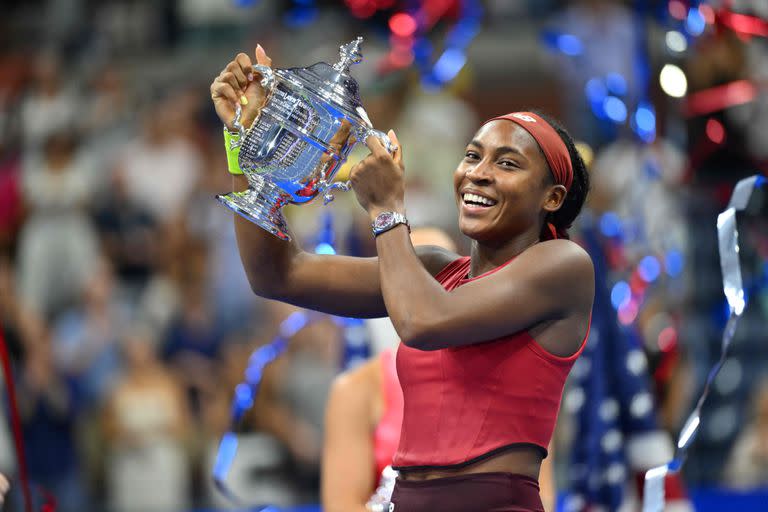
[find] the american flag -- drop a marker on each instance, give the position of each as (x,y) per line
(616,435)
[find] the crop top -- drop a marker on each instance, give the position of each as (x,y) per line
(464,404)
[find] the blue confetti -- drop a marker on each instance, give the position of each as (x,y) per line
(610,225)
(621,294)
(695,22)
(615,109)
(616,83)
(649,269)
(673,263)
(595,90)
(300,16)
(227,451)
(644,122)
(449,64)
(570,45)
(324,248)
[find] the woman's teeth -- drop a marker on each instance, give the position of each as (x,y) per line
(478,200)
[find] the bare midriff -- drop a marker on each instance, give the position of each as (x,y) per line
(521,460)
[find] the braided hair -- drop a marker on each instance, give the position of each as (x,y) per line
(562,219)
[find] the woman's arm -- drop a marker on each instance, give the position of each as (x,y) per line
(549,282)
(347,477)
(281,270)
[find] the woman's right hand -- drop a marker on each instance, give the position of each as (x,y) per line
(236,81)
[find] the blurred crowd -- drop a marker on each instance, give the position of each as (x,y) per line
(123,301)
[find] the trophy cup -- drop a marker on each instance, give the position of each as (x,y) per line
(310,121)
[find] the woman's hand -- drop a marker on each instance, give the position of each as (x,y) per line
(379,179)
(239,83)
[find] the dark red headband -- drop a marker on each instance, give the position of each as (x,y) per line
(549,141)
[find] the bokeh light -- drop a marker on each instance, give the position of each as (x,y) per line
(649,269)
(715,131)
(677,9)
(695,22)
(621,295)
(673,81)
(676,41)
(402,24)
(667,339)
(615,109)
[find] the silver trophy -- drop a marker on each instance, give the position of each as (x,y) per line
(311,120)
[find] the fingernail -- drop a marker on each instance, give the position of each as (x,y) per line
(243,100)
(250,77)
(258,47)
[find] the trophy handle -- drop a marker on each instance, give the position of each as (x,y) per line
(344,186)
(269,83)
(366,132)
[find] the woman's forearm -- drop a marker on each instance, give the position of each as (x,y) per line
(411,294)
(267,260)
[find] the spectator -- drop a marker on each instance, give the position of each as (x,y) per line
(85,339)
(48,410)
(194,337)
(292,397)
(51,104)
(58,245)
(159,152)
(146,425)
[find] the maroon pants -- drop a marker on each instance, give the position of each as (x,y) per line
(481,492)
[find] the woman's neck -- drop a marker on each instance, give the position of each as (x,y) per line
(486,257)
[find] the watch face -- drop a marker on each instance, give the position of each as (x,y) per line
(383,220)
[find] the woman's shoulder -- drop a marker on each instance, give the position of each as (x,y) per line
(354,392)
(435,258)
(563,253)
(561,267)
(361,380)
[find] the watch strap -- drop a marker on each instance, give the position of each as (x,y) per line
(388,220)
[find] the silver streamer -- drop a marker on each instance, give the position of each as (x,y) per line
(728,242)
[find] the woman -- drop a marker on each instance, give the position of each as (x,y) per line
(487,340)
(362,421)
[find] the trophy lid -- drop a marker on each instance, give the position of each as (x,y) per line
(334,83)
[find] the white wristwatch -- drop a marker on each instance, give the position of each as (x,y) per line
(386,221)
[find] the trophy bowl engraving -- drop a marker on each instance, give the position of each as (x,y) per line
(311,120)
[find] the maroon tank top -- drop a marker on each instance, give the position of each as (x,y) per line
(467,403)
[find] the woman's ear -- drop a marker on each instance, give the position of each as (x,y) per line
(555,198)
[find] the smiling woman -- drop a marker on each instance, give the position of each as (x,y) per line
(487,340)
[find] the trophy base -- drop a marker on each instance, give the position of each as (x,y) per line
(258,207)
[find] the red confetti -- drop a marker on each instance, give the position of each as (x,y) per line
(667,339)
(708,13)
(678,9)
(715,131)
(743,24)
(719,98)
(402,24)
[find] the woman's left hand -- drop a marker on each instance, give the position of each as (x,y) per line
(379,179)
